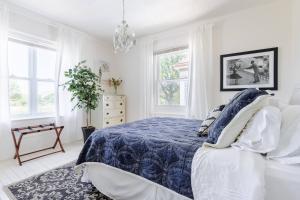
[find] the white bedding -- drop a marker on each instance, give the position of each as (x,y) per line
(227,174)
(245,175)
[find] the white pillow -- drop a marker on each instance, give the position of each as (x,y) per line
(262,132)
(288,150)
(234,128)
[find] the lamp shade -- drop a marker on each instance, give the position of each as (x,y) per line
(295,99)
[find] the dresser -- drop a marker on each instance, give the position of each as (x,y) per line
(113,110)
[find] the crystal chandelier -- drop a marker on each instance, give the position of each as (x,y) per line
(124,38)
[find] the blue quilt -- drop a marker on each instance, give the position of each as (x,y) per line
(158,149)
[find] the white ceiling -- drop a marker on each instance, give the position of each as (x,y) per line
(99,17)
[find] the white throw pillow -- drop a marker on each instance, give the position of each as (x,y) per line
(262,132)
(288,150)
(234,128)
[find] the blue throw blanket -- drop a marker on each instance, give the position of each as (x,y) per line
(158,149)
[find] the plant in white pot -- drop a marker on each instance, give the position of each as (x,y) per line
(85,88)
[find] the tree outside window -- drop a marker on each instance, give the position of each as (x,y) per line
(173,78)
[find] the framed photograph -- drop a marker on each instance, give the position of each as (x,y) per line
(251,69)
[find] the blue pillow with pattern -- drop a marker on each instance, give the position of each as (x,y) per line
(240,100)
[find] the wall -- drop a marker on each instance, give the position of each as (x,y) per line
(296,37)
(129,68)
(130,71)
(94,51)
(256,28)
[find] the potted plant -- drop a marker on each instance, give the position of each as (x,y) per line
(85,88)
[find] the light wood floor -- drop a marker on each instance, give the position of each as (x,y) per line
(11,172)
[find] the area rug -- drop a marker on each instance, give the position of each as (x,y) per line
(57,184)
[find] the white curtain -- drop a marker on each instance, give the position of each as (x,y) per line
(70,46)
(5,136)
(200,45)
(147,64)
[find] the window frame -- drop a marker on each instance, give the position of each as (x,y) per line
(167,109)
(34,44)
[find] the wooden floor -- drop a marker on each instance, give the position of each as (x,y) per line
(11,172)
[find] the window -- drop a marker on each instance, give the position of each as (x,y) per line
(172,69)
(31,84)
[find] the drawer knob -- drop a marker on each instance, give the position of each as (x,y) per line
(107,104)
(107,122)
(107,113)
(121,104)
(121,120)
(121,112)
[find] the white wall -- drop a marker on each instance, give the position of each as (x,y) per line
(296,37)
(266,26)
(257,28)
(130,71)
(93,50)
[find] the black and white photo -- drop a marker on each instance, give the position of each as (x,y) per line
(251,69)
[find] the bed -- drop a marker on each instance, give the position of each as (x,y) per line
(160,150)
(166,159)
(114,157)
(280,182)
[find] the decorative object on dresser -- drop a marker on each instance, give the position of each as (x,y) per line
(113,107)
(115,83)
(19,133)
(251,69)
(86,90)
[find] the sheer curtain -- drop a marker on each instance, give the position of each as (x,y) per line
(4,98)
(200,45)
(146,46)
(69,50)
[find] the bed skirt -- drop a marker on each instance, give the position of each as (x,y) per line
(121,185)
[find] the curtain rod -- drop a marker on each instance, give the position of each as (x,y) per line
(170,50)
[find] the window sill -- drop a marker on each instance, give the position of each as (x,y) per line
(33,118)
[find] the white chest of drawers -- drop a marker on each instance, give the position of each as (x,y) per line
(113,110)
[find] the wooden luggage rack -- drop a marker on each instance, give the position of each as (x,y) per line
(18,133)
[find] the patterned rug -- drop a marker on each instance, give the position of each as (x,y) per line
(57,184)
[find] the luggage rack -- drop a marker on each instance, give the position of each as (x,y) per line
(18,133)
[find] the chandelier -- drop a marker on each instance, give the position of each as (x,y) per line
(124,38)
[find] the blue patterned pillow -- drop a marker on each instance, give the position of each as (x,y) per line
(241,100)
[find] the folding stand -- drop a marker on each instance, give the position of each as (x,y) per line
(18,133)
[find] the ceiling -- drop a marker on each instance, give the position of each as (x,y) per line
(99,17)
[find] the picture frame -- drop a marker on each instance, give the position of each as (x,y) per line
(249,69)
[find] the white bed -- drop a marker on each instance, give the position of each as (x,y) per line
(222,174)
(281,182)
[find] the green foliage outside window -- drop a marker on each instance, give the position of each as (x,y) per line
(170,92)
(16,97)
